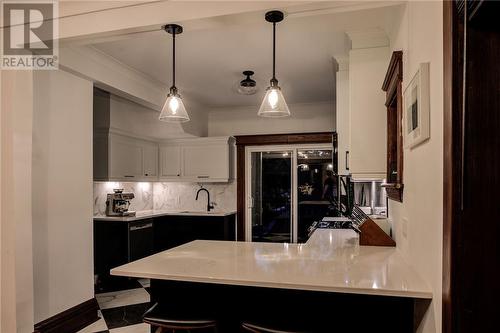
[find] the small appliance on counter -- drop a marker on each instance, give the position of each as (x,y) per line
(117,203)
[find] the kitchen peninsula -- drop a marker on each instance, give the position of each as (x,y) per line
(330,282)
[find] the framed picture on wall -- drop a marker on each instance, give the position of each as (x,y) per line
(416,115)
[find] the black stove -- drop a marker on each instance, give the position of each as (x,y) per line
(334,223)
(331,223)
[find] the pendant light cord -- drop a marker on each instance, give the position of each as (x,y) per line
(274,51)
(173,60)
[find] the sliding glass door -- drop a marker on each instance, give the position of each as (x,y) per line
(288,188)
(271,192)
(316,188)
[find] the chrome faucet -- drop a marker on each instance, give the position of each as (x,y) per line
(209,205)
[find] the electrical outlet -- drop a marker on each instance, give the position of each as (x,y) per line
(404,227)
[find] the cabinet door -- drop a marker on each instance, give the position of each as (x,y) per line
(110,246)
(343,135)
(209,162)
(150,161)
(126,157)
(368,116)
(172,231)
(170,162)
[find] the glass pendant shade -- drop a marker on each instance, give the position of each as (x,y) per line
(274,105)
(173,110)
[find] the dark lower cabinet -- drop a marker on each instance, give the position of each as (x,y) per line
(297,310)
(172,231)
(117,242)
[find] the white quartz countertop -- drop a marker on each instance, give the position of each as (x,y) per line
(332,260)
(145,214)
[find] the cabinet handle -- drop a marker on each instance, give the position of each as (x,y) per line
(146,174)
(347,160)
(203,176)
(127,176)
(140,227)
(178,175)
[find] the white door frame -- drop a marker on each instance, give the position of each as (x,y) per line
(294,193)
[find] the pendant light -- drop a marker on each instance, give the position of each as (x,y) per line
(274,104)
(248,86)
(173,110)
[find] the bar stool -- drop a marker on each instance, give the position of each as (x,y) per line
(165,323)
(261,328)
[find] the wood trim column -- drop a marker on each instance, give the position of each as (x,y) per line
(447,317)
(240,192)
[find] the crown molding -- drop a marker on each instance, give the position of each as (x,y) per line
(364,39)
(110,74)
(341,62)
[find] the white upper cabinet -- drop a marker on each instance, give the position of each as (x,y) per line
(150,160)
(125,158)
(118,157)
(170,161)
(122,158)
(342,99)
(198,160)
(368,125)
(210,161)
(361,111)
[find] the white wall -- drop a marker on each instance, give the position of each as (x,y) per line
(139,92)
(136,119)
(419,35)
(16,243)
(62,192)
(142,121)
(317,117)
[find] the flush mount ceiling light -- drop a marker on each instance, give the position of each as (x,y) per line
(274,104)
(173,110)
(247,86)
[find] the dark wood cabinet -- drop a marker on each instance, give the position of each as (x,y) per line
(119,242)
(172,231)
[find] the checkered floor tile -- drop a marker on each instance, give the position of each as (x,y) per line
(121,307)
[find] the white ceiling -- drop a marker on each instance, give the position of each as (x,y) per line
(211,54)
(77,7)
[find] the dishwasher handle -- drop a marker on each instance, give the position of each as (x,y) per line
(140,227)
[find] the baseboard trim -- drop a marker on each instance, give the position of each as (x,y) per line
(71,320)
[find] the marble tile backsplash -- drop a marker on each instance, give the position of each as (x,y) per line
(167,196)
(182,196)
